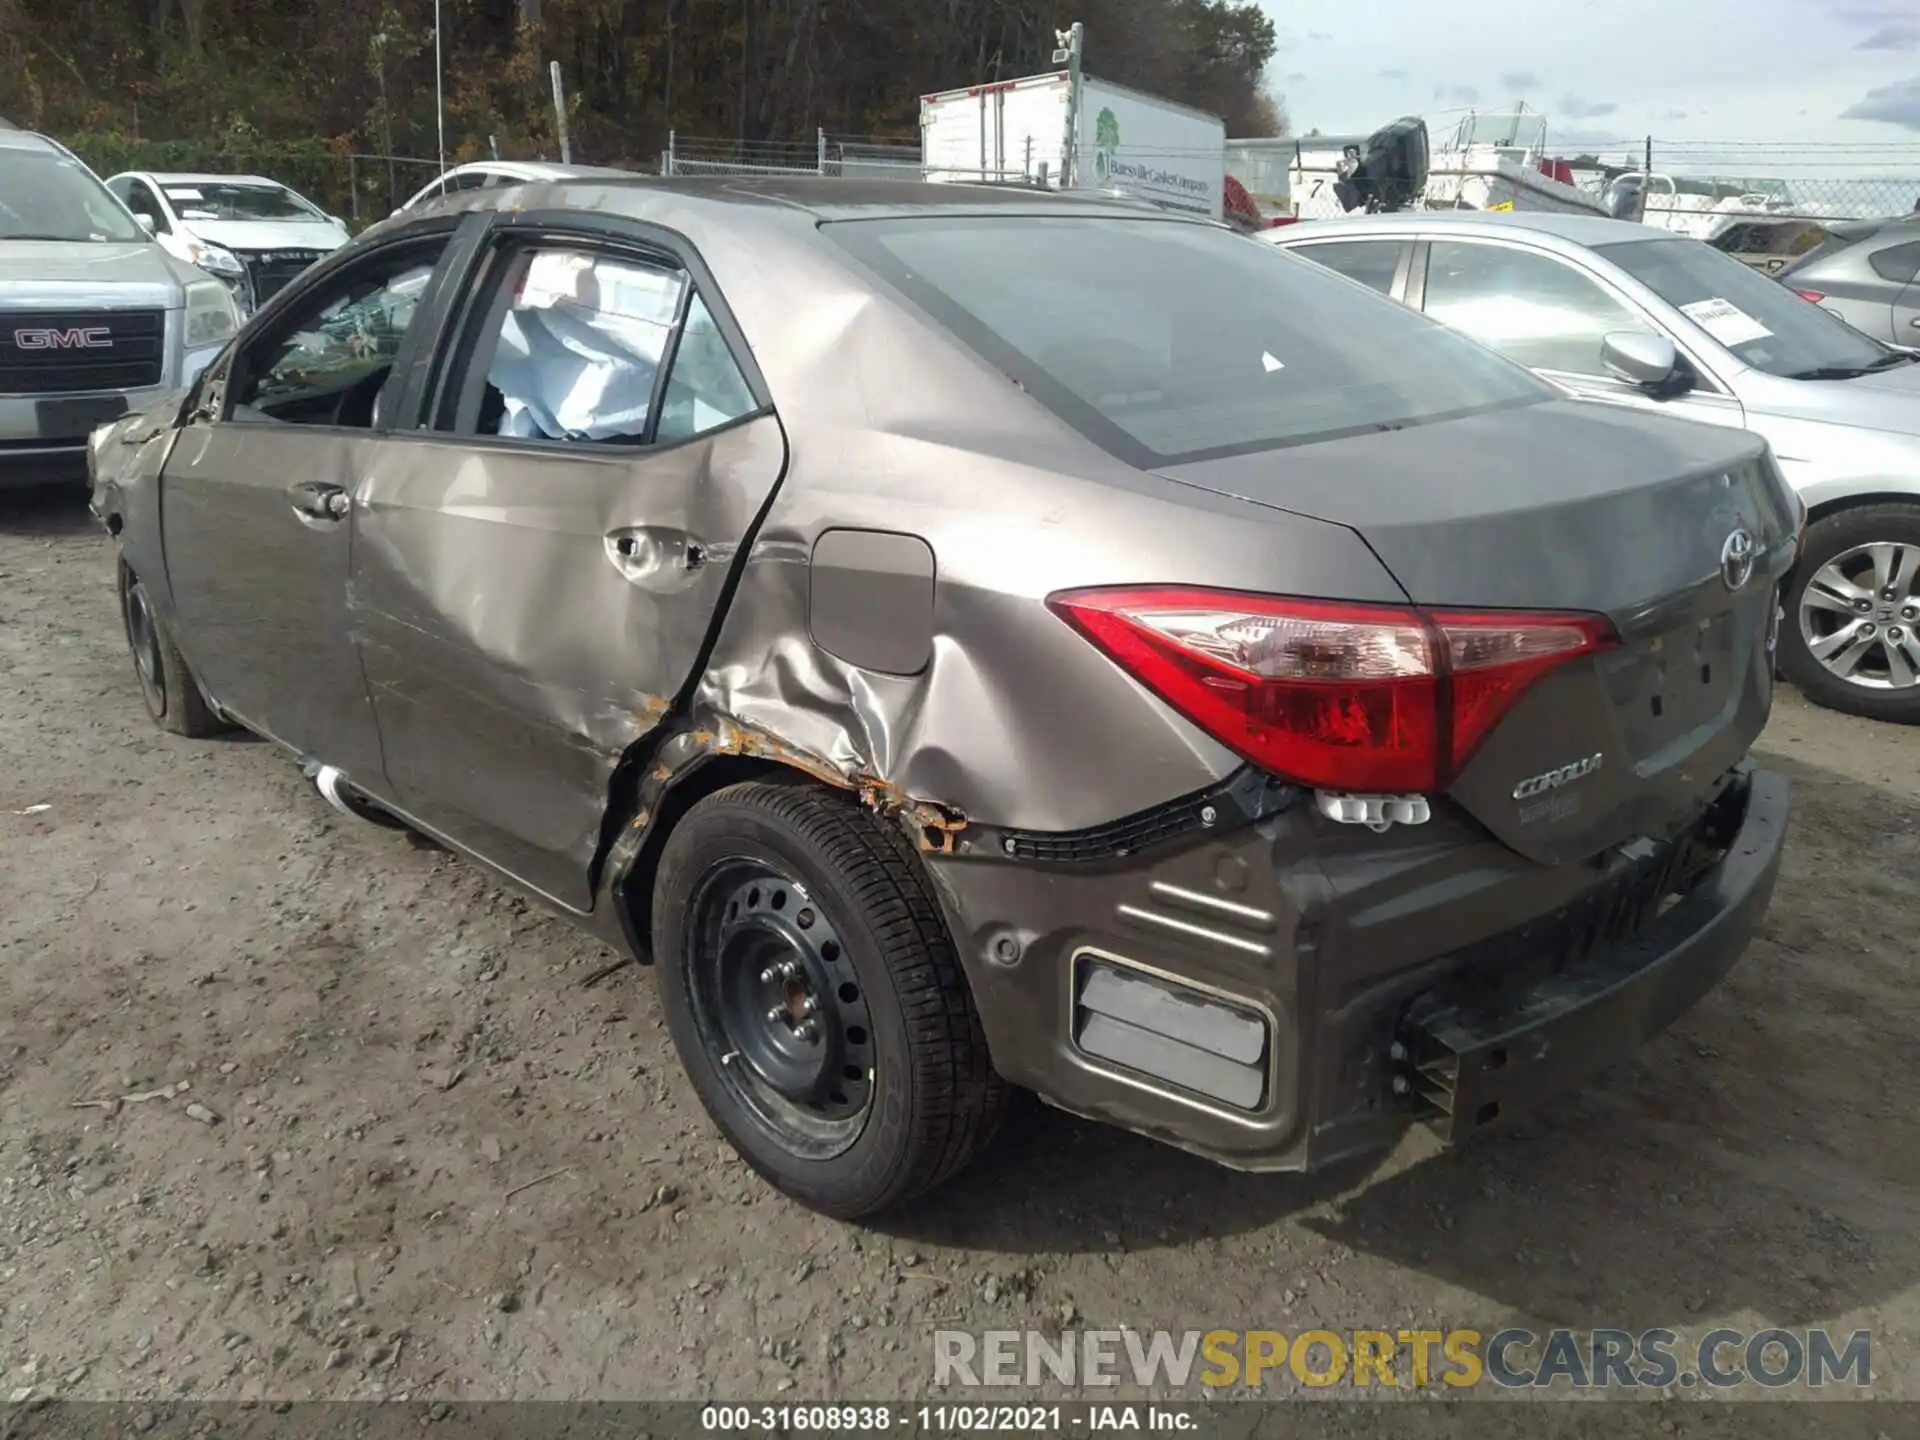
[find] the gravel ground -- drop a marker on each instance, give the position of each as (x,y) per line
(386,1129)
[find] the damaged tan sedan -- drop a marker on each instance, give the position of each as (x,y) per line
(968,639)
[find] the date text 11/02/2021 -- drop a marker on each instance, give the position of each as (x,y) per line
(948,1419)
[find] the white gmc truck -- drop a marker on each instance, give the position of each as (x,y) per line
(95,318)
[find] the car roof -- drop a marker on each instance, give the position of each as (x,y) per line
(1585,230)
(827,198)
(534,169)
(182,177)
(11,139)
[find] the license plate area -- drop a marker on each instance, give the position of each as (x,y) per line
(75,419)
(1666,686)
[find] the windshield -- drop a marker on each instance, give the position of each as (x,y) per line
(45,195)
(1166,341)
(1760,320)
(218,200)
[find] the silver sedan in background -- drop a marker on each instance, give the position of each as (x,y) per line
(1615,312)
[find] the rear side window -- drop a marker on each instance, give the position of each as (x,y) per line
(1530,307)
(571,348)
(1898,263)
(1168,341)
(1372,262)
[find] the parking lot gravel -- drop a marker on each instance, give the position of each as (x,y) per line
(296,1108)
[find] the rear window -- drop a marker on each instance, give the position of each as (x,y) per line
(1166,341)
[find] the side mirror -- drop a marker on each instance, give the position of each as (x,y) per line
(1649,361)
(146,223)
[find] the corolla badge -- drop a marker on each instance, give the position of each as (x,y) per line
(1736,559)
(1540,784)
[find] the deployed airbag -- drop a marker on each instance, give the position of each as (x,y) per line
(580,347)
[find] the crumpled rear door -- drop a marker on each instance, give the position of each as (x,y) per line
(528,605)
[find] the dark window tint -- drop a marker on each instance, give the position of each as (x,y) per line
(1529,306)
(1760,320)
(1371,262)
(141,201)
(1166,341)
(1898,263)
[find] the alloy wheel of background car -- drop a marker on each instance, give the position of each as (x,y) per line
(171,694)
(816,1000)
(1852,638)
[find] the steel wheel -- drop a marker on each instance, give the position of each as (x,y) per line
(143,638)
(1858,616)
(779,1007)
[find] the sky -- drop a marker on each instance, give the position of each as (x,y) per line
(1820,74)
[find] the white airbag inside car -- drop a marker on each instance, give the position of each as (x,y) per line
(580,347)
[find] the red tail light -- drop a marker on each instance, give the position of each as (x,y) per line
(1812,297)
(1329,694)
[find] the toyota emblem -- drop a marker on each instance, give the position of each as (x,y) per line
(1736,559)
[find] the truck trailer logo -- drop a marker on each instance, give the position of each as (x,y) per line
(1106,142)
(80,337)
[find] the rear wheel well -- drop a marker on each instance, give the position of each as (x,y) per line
(634,889)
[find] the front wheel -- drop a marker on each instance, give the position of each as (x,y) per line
(816,1000)
(171,694)
(1851,640)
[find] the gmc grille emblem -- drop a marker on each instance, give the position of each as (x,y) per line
(80,337)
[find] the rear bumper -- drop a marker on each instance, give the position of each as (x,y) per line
(1425,974)
(1470,1065)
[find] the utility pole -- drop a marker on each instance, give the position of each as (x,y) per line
(1071,42)
(560,113)
(439,89)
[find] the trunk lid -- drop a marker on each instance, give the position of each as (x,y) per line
(1570,507)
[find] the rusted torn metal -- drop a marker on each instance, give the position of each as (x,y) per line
(934,828)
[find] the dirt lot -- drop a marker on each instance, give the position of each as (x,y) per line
(447,1164)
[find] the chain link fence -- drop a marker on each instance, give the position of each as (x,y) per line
(824,155)
(1808,181)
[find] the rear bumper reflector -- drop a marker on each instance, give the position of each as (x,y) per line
(1188,1039)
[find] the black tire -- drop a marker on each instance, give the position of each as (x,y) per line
(167,687)
(932,1097)
(1839,539)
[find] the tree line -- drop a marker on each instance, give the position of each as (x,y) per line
(358,75)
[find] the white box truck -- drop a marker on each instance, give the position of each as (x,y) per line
(1018,131)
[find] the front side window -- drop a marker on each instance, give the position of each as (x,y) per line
(1532,308)
(140,200)
(1167,341)
(47,195)
(328,366)
(225,200)
(571,350)
(1764,323)
(1372,262)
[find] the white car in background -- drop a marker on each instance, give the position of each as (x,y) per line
(491,174)
(254,233)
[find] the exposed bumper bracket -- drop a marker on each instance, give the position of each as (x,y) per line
(1468,1065)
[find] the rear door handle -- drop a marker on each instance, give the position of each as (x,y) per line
(313,500)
